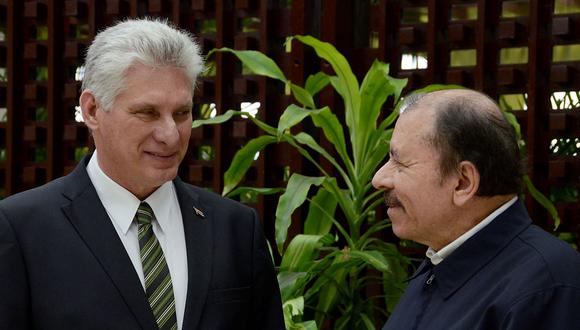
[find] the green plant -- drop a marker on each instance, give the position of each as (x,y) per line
(326,270)
(529,185)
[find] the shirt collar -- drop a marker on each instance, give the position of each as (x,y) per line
(159,201)
(479,250)
(121,204)
(437,257)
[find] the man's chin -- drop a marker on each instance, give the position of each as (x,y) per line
(396,215)
(395,211)
(399,231)
(159,176)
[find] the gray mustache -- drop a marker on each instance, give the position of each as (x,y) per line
(391,200)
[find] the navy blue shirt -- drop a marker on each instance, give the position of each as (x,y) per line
(509,275)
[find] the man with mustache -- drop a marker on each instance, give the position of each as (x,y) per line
(452,183)
(121,242)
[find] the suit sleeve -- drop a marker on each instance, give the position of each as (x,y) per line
(554,308)
(266,301)
(14,304)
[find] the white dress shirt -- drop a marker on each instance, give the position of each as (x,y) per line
(438,256)
(121,206)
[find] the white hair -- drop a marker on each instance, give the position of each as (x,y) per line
(151,42)
(410,100)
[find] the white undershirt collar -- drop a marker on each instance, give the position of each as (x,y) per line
(121,204)
(437,257)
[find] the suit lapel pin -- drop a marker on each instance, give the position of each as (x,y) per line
(198,212)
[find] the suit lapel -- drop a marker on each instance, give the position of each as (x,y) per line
(89,218)
(197,219)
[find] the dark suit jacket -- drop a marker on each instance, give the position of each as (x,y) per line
(510,275)
(63,266)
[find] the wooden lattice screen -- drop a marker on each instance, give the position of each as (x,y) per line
(525,54)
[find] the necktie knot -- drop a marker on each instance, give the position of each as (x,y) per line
(144,214)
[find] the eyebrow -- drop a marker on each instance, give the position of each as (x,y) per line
(141,106)
(188,106)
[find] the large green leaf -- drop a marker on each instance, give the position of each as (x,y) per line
(306,139)
(374,258)
(543,200)
(265,127)
(315,83)
(374,91)
(243,160)
(300,253)
(377,86)
(399,85)
(303,96)
(332,130)
(215,120)
(349,84)
(511,118)
(296,305)
(336,60)
(367,321)
(295,195)
(377,155)
(387,122)
(344,321)
(257,62)
(349,113)
(260,191)
(287,281)
(306,325)
(228,115)
(292,116)
(325,269)
(329,293)
(345,83)
(344,200)
(295,308)
(320,213)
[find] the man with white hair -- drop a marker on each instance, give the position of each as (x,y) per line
(122,242)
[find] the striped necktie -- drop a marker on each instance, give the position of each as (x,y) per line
(158,286)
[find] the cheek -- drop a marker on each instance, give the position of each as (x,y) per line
(185,132)
(418,197)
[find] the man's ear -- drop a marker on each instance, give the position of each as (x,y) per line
(89,106)
(467,183)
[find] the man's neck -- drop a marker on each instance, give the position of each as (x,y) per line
(472,215)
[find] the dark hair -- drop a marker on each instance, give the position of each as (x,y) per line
(471,127)
(466,130)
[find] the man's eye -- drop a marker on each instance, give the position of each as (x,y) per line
(146,113)
(398,165)
(182,114)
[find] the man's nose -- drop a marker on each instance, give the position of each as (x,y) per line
(167,131)
(383,178)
